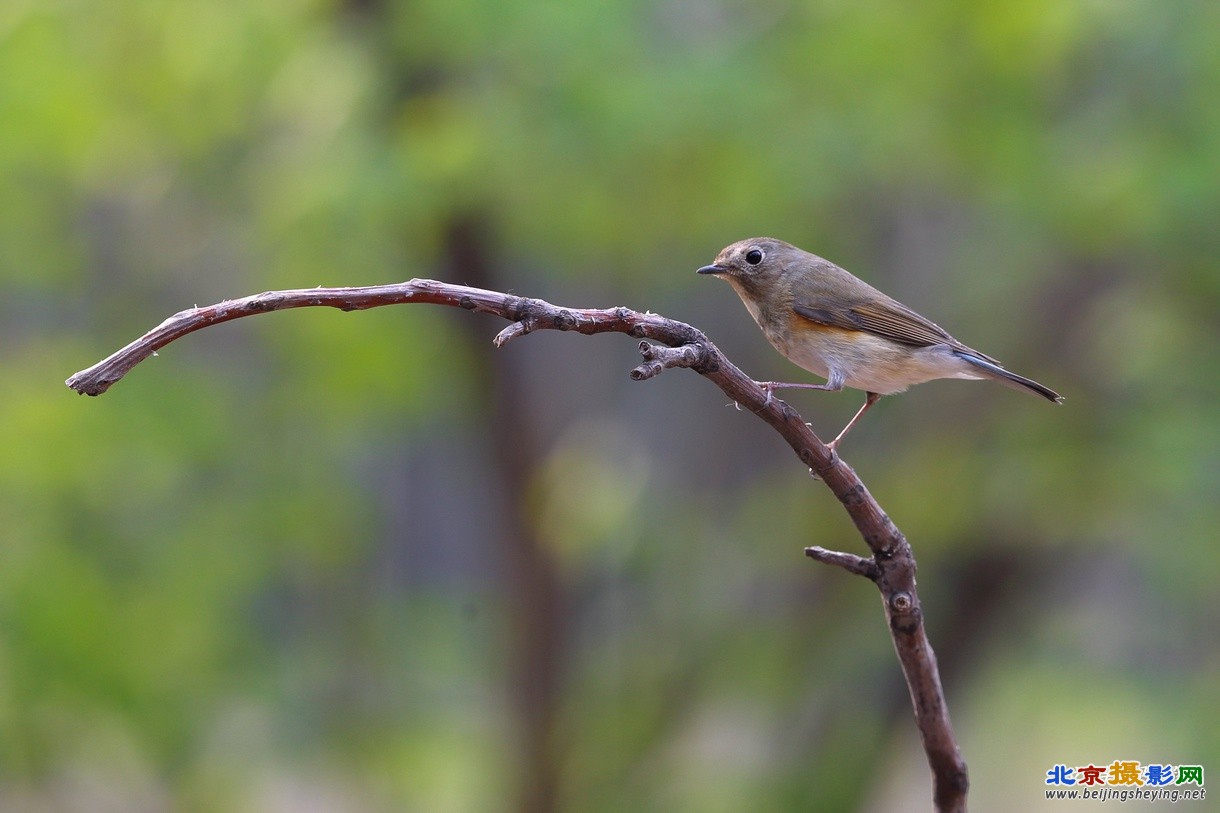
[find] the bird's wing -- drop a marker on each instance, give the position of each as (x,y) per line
(886,318)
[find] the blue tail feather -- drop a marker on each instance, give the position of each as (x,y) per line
(998,373)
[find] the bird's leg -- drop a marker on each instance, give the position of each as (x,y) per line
(781,385)
(834,383)
(869,399)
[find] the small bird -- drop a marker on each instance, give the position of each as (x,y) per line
(843,329)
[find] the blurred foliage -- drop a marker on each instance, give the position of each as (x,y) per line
(264,572)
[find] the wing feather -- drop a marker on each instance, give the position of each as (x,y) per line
(886,318)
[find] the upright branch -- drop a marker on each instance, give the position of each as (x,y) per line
(891,566)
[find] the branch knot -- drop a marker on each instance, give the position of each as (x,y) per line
(902,602)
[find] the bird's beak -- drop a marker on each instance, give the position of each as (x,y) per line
(713,269)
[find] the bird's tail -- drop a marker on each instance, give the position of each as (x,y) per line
(1011,379)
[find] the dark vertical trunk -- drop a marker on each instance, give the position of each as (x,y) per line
(534,592)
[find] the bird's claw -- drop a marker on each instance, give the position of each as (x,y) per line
(769,390)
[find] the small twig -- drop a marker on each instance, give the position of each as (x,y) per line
(848,561)
(891,568)
(658,359)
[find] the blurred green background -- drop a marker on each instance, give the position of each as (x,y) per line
(364,562)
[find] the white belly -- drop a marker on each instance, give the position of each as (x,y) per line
(871,363)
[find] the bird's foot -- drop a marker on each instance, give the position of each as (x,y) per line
(769,388)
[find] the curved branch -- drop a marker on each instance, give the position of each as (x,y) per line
(891,568)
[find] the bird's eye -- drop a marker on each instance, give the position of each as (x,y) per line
(754,256)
